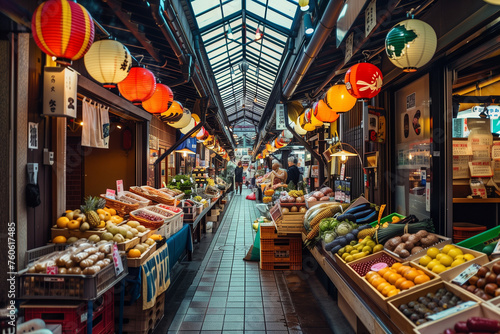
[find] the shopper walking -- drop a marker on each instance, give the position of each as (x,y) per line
(238,177)
(293,171)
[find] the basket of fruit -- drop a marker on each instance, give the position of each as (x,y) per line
(153,194)
(148,218)
(123,205)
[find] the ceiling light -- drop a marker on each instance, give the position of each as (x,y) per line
(119,126)
(308,27)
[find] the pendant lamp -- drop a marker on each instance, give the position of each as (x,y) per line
(160,101)
(363,81)
(108,62)
(411,44)
(63,29)
(338,99)
(138,86)
(324,114)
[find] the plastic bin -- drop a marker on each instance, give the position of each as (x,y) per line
(479,241)
(463,231)
(387,219)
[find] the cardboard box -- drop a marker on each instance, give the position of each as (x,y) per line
(214,212)
(212,218)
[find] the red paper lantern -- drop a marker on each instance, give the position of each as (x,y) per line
(138,86)
(202,134)
(363,81)
(160,101)
(63,29)
(324,114)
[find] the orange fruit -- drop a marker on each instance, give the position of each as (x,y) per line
(62,222)
(377,281)
(387,289)
(73,224)
(382,271)
(394,277)
(400,281)
(388,274)
(400,269)
(406,270)
(371,274)
(411,274)
(407,285)
(393,292)
(59,239)
(421,272)
(421,279)
(396,266)
(381,286)
(134,253)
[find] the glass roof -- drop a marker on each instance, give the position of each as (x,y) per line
(244,67)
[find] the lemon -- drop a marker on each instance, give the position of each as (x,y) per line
(348,248)
(438,257)
(424,260)
(457,262)
(345,255)
(367,249)
(433,252)
(432,264)
(459,257)
(349,258)
(446,260)
(469,257)
(378,248)
(454,252)
(438,268)
(59,240)
(62,222)
(447,248)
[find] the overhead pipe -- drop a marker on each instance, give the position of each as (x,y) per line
(116,6)
(177,144)
(318,39)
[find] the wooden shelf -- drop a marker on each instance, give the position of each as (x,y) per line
(478,200)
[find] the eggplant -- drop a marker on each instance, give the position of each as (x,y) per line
(362,227)
(334,243)
(364,213)
(358,208)
(335,249)
(370,218)
(348,216)
(350,236)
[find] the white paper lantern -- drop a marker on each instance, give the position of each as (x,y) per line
(298,129)
(411,44)
(189,127)
(108,62)
(184,121)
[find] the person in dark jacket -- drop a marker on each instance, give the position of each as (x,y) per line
(238,177)
(293,171)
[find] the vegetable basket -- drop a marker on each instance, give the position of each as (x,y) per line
(153,195)
(119,206)
(141,215)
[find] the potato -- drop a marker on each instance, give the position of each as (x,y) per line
(405,237)
(404,253)
(416,249)
(409,245)
(394,242)
(413,238)
(422,233)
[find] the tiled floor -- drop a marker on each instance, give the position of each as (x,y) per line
(229,295)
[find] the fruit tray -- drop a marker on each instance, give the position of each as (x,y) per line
(135,262)
(69,287)
(153,195)
(173,209)
(480,258)
(363,266)
(440,244)
(148,218)
(451,274)
(67,233)
(123,246)
(408,326)
(121,207)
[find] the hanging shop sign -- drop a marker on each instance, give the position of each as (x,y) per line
(108,62)
(370,17)
(59,92)
(363,81)
(411,44)
(63,29)
(280,117)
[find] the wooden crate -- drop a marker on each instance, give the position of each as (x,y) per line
(139,261)
(124,246)
(136,320)
(481,258)
(442,242)
(67,233)
(291,223)
(405,324)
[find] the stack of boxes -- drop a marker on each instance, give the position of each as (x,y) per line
(279,252)
(200,176)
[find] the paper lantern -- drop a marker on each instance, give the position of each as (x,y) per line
(174,114)
(304,5)
(190,126)
(363,81)
(108,62)
(324,114)
(338,99)
(411,44)
(63,29)
(202,134)
(315,121)
(287,134)
(160,101)
(277,144)
(196,118)
(294,109)
(138,86)
(298,128)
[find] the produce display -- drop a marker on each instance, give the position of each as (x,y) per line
(182,183)
(152,193)
(363,267)
(323,194)
(411,223)
(409,244)
(359,250)
(485,283)
(315,214)
(83,257)
(172,192)
(441,260)
(419,309)
(122,233)
(293,209)
(174,209)
(92,204)
(139,249)
(77,219)
(389,281)
(475,325)
(292,196)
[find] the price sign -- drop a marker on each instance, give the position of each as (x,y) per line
(52,270)
(117,260)
(451,311)
(275,213)
(466,274)
(119,187)
(110,193)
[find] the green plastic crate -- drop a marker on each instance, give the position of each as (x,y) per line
(479,241)
(387,219)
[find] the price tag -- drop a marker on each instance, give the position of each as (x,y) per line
(119,187)
(466,274)
(110,193)
(52,270)
(117,260)
(450,311)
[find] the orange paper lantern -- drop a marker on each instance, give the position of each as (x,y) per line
(363,81)
(63,29)
(338,99)
(160,101)
(324,114)
(138,86)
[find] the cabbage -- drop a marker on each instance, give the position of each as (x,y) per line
(329,237)
(343,228)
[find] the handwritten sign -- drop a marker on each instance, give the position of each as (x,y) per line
(117,260)
(461,166)
(466,274)
(119,187)
(480,169)
(461,148)
(481,152)
(110,193)
(495,151)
